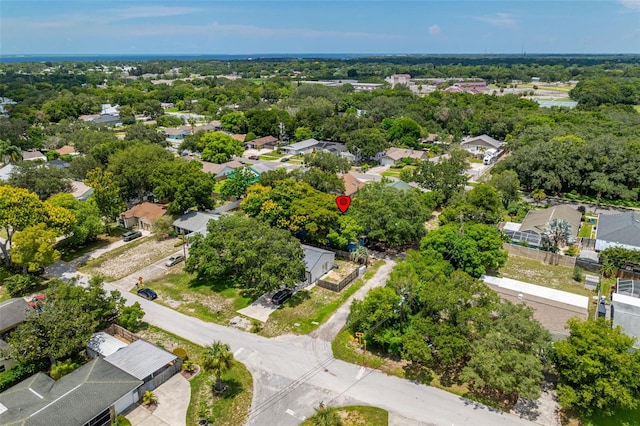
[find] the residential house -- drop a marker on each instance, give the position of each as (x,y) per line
(351,184)
(398,184)
(142,215)
(239,137)
(5,172)
(58,163)
(81,191)
(477,145)
(193,222)
(303,147)
(220,171)
(266,142)
(215,125)
(625,309)
(354,158)
(146,362)
(394,155)
(317,263)
(536,221)
(334,148)
(13,312)
(618,230)
(108,119)
(66,150)
(33,156)
(177,133)
(260,168)
(90,396)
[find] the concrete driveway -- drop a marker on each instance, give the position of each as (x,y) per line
(173,400)
(260,309)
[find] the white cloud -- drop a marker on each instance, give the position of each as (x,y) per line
(499,19)
(631,4)
(434,29)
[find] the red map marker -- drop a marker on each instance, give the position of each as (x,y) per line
(343,202)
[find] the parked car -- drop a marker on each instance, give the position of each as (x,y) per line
(131,235)
(284,159)
(254,157)
(174,260)
(282,296)
(147,293)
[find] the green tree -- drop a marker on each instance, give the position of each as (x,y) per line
(366,142)
(234,122)
(320,180)
(326,416)
(131,317)
(162,227)
(20,210)
(9,153)
(217,359)
(538,195)
(236,183)
(378,317)
(88,222)
(219,147)
(34,248)
(40,179)
(390,216)
(508,185)
(183,184)
(556,234)
(133,167)
(327,162)
(404,131)
(473,248)
(598,370)
(106,195)
(303,133)
(481,205)
(144,133)
(445,177)
(248,253)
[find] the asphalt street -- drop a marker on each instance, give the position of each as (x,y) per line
(293,374)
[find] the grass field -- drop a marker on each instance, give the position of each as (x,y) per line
(358,415)
(585,230)
(271,156)
(620,418)
(229,409)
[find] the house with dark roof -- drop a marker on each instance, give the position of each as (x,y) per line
(477,145)
(142,215)
(618,230)
(317,263)
(13,312)
(90,396)
(262,143)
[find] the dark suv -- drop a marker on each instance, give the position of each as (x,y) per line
(282,296)
(131,235)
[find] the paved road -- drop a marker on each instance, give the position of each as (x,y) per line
(292,374)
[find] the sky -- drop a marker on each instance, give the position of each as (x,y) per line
(303,26)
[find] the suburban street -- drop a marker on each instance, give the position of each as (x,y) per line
(293,374)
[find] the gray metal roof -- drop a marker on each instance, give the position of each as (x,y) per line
(301,145)
(13,312)
(194,221)
(141,359)
(484,138)
(312,255)
(623,228)
(73,400)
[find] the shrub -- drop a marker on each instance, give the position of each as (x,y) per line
(63,368)
(256,326)
(20,372)
(188,366)
(181,353)
(578,275)
(572,251)
(19,284)
(149,398)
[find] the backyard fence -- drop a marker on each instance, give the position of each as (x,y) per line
(337,287)
(116,330)
(542,256)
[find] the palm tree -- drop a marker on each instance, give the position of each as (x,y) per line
(327,416)
(192,123)
(149,398)
(361,255)
(9,153)
(217,359)
(538,195)
(556,234)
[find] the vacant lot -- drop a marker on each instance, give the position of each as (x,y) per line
(535,272)
(130,258)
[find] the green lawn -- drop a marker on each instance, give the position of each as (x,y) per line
(68,253)
(535,272)
(311,308)
(232,407)
(585,230)
(208,301)
(620,418)
(357,415)
(271,156)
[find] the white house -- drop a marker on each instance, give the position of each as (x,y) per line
(317,263)
(479,144)
(303,147)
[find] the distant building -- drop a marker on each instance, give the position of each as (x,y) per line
(477,145)
(394,155)
(33,156)
(142,215)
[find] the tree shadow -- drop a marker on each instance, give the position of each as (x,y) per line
(418,373)
(298,298)
(232,388)
(217,286)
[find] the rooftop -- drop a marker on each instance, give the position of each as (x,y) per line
(140,359)
(13,312)
(146,210)
(537,220)
(105,344)
(623,228)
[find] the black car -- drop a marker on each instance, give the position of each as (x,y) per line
(284,159)
(147,293)
(131,235)
(282,296)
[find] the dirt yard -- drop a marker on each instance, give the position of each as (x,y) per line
(130,258)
